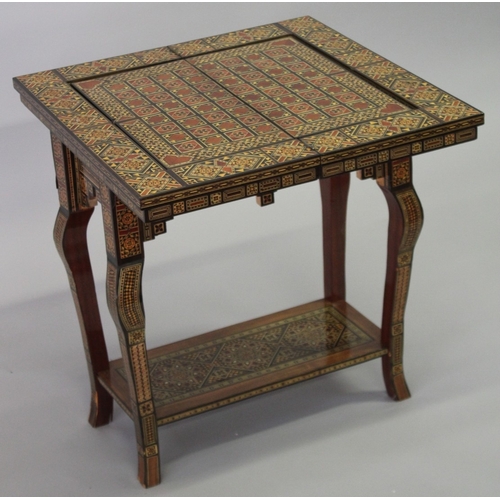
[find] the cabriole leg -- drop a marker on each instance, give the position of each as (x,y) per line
(124,242)
(405,224)
(70,236)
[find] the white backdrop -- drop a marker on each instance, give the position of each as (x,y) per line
(337,435)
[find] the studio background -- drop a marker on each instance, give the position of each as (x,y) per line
(338,435)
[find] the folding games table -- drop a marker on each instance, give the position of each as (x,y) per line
(160,133)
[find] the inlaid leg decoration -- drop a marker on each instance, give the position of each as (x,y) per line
(405,223)
(70,236)
(334,192)
(124,243)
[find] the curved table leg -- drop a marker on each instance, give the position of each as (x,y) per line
(124,242)
(70,236)
(405,223)
(334,192)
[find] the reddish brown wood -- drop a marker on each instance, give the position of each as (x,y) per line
(149,471)
(404,228)
(395,234)
(70,236)
(334,193)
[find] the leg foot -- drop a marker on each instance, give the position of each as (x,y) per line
(395,384)
(101,408)
(149,468)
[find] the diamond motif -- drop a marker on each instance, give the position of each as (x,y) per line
(177,376)
(314,333)
(245,355)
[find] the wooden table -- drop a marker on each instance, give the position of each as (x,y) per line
(164,132)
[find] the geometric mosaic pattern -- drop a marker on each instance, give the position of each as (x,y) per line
(227,40)
(120,63)
(389,126)
(249,354)
(369,131)
(389,75)
(192,119)
(123,157)
(180,115)
(300,90)
(321,36)
(229,165)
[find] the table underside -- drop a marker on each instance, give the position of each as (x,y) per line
(234,363)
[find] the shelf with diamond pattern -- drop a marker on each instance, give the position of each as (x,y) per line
(257,356)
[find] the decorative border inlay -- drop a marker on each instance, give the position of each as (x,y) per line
(228,40)
(413,216)
(140,372)
(417,91)
(129,307)
(272,387)
(120,63)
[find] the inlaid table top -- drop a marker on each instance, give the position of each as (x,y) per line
(188,126)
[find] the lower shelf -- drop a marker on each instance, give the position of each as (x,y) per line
(258,356)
